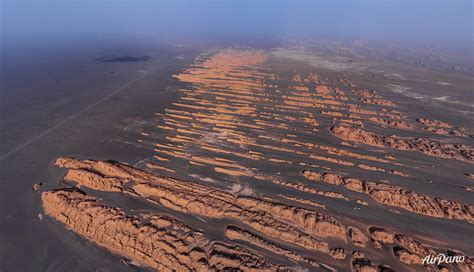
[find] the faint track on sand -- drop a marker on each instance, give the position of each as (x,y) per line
(62,122)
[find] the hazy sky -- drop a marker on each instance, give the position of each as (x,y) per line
(437,21)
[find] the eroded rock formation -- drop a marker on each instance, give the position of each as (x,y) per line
(159,242)
(357,135)
(290,224)
(447,151)
(410,251)
(399,197)
(235,141)
(236,233)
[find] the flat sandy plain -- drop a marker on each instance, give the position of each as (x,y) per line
(249,159)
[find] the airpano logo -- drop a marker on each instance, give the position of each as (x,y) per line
(441,258)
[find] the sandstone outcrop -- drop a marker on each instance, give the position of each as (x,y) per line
(158,242)
(447,151)
(37,186)
(357,237)
(399,197)
(290,224)
(410,251)
(361,264)
(357,135)
(235,140)
(236,233)
(433,123)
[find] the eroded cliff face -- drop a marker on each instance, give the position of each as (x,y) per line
(399,197)
(236,233)
(411,251)
(156,241)
(164,243)
(291,224)
(357,135)
(446,151)
(271,158)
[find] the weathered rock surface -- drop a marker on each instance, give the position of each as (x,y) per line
(37,186)
(357,237)
(433,123)
(158,242)
(236,233)
(361,264)
(238,122)
(410,251)
(357,135)
(399,197)
(447,151)
(290,224)
(406,256)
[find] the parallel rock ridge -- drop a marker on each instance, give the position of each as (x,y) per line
(158,242)
(250,127)
(300,226)
(447,151)
(399,197)
(236,233)
(303,227)
(152,234)
(411,251)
